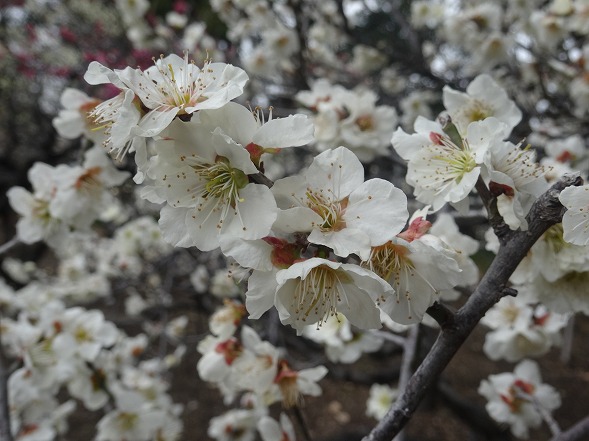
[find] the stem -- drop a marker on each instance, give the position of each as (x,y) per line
(409,349)
(397,339)
(546,416)
(302,424)
(9,245)
(578,432)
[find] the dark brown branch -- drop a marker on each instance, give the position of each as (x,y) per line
(301,82)
(579,431)
(441,314)
(5,432)
(490,202)
(545,212)
(260,178)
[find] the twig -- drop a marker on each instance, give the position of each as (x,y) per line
(302,424)
(301,73)
(409,349)
(260,178)
(496,221)
(579,431)
(9,245)
(545,212)
(5,432)
(397,339)
(567,340)
(546,416)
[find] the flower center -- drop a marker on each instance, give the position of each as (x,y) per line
(459,163)
(222,181)
(389,260)
(365,123)
(182,88)
(89,180)
(478,111)
(393,263)
(518,394)
(318,293)
(127,420)
(330,211)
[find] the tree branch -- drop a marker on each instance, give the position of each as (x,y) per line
(578,432)
(545,212)
(5,432)
(441,314)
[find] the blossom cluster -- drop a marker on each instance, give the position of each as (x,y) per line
(256,371)
(331,251)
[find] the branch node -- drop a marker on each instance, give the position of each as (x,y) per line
(508,291)
(442,314)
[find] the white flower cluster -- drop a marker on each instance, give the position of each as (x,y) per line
(350,118)
(78,350)
(519,399)
(68,352)
(446,161)
(65,197)
(323,242)
(256,370)
(554,272)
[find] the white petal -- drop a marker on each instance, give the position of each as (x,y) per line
(292,131)
(338,172)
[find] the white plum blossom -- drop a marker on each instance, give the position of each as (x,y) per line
(37,222)
(85,331)
(520,330)
(443,168)
(575,221)
(484,98)
(257,135)
(312,290)
(343,344)
(339,209)
(72,121)
(117,117)
(290,385)
(368,127)
(515,179)
(514,398)
(350,118)
(173,87)
(418,269)
(81,191)
(223,323)
(203,176)
(234,425)
(272,430)
(218,355)
(131,420)
(465,246)
(380,399)
(176,86)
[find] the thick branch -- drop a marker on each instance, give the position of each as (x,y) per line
(545,212)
